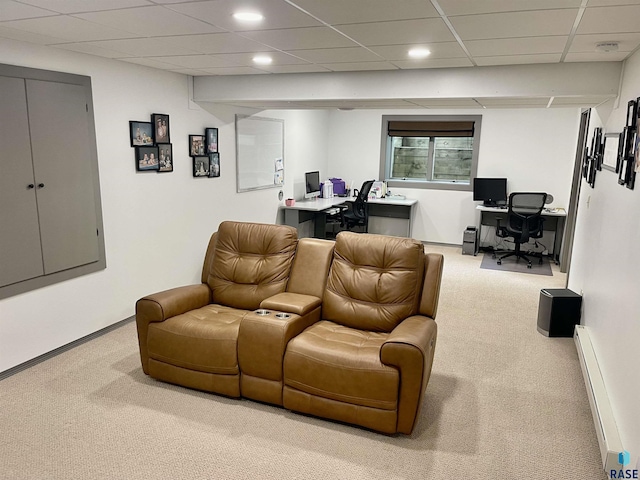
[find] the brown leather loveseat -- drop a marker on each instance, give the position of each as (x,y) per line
(340,330)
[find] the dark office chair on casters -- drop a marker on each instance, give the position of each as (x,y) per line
(357,213)
(524,221)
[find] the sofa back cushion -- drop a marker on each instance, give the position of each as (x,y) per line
(250,262)
(374,282)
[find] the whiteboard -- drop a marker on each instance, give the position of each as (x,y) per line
(260,152)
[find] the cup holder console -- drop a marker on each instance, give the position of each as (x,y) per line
(283,315)
(263,312)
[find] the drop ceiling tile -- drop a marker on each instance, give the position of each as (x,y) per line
(149,21)
(336,55)
(433,63)
(302,68)
(518,59)
(18,11)
(301,38)
(69,29)
(278,14)
(627,42)
(199,62)
(29,37)
(234,71)
(217,43)
(620,19)
(246,59)
(79,6)
(399,32)
(604,3)
(358,66)
(191,71)
(516,46)
(144,47)
(438,50)
(88,47)
(149,62)
(472,7)
(596,57)
(515,24)
(336,12)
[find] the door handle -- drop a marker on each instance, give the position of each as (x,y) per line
(41,185)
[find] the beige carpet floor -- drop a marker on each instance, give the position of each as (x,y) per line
(503,402)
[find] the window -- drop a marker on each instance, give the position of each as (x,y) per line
(430,151)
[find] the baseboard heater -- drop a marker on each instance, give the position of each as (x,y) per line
(606,428)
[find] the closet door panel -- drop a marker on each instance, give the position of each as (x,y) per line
(61,151)
(20,253)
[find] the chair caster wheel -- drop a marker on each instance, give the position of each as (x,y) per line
(499,262)
(529,265)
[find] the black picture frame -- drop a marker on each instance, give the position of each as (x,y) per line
(200,166)
(196,145)
(140,133)
(632,112)
(598,148)
(160,122)
(592,169)
(211,135)
(147,159)
(621,142)
(165,157)
(214,164)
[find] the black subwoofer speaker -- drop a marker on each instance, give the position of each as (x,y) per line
(558,312)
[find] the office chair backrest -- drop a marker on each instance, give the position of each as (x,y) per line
(359,207)
(524,217)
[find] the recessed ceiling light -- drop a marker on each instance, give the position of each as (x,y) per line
(419,53)
(248,16)
(262,60)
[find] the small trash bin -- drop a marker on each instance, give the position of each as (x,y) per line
(558,312)
(470,241)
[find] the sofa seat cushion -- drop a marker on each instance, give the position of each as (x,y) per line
(204,339)
(340,363)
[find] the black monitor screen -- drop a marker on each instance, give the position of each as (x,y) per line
(312,182)
(491,191)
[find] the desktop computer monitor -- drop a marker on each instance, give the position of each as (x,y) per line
(312,184)
(490,191)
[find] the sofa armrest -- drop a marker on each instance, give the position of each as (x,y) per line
(297,303)
(410,348)
(163,305)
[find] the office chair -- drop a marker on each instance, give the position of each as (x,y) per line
(357,213)
(524,221)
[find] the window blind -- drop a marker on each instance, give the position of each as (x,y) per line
(430,129)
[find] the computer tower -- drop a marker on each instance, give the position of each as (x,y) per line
(470,241)
(558,312)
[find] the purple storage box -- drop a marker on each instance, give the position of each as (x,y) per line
(338,186)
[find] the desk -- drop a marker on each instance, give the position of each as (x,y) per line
(387,216)
(554,222)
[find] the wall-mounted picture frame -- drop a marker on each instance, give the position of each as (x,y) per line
(214,164)
(147,159)
(200,166)
(160,122)
(165,157)
(621,142)
(140,133)
(196,145)
(211,135)
(610,151)
(592,169)
(632,112)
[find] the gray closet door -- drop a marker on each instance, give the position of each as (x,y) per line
(60,134)
(20,253)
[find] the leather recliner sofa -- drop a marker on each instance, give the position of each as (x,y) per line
(343,330)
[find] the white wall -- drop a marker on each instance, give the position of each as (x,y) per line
(533,148)
(606,268)
(156,225)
